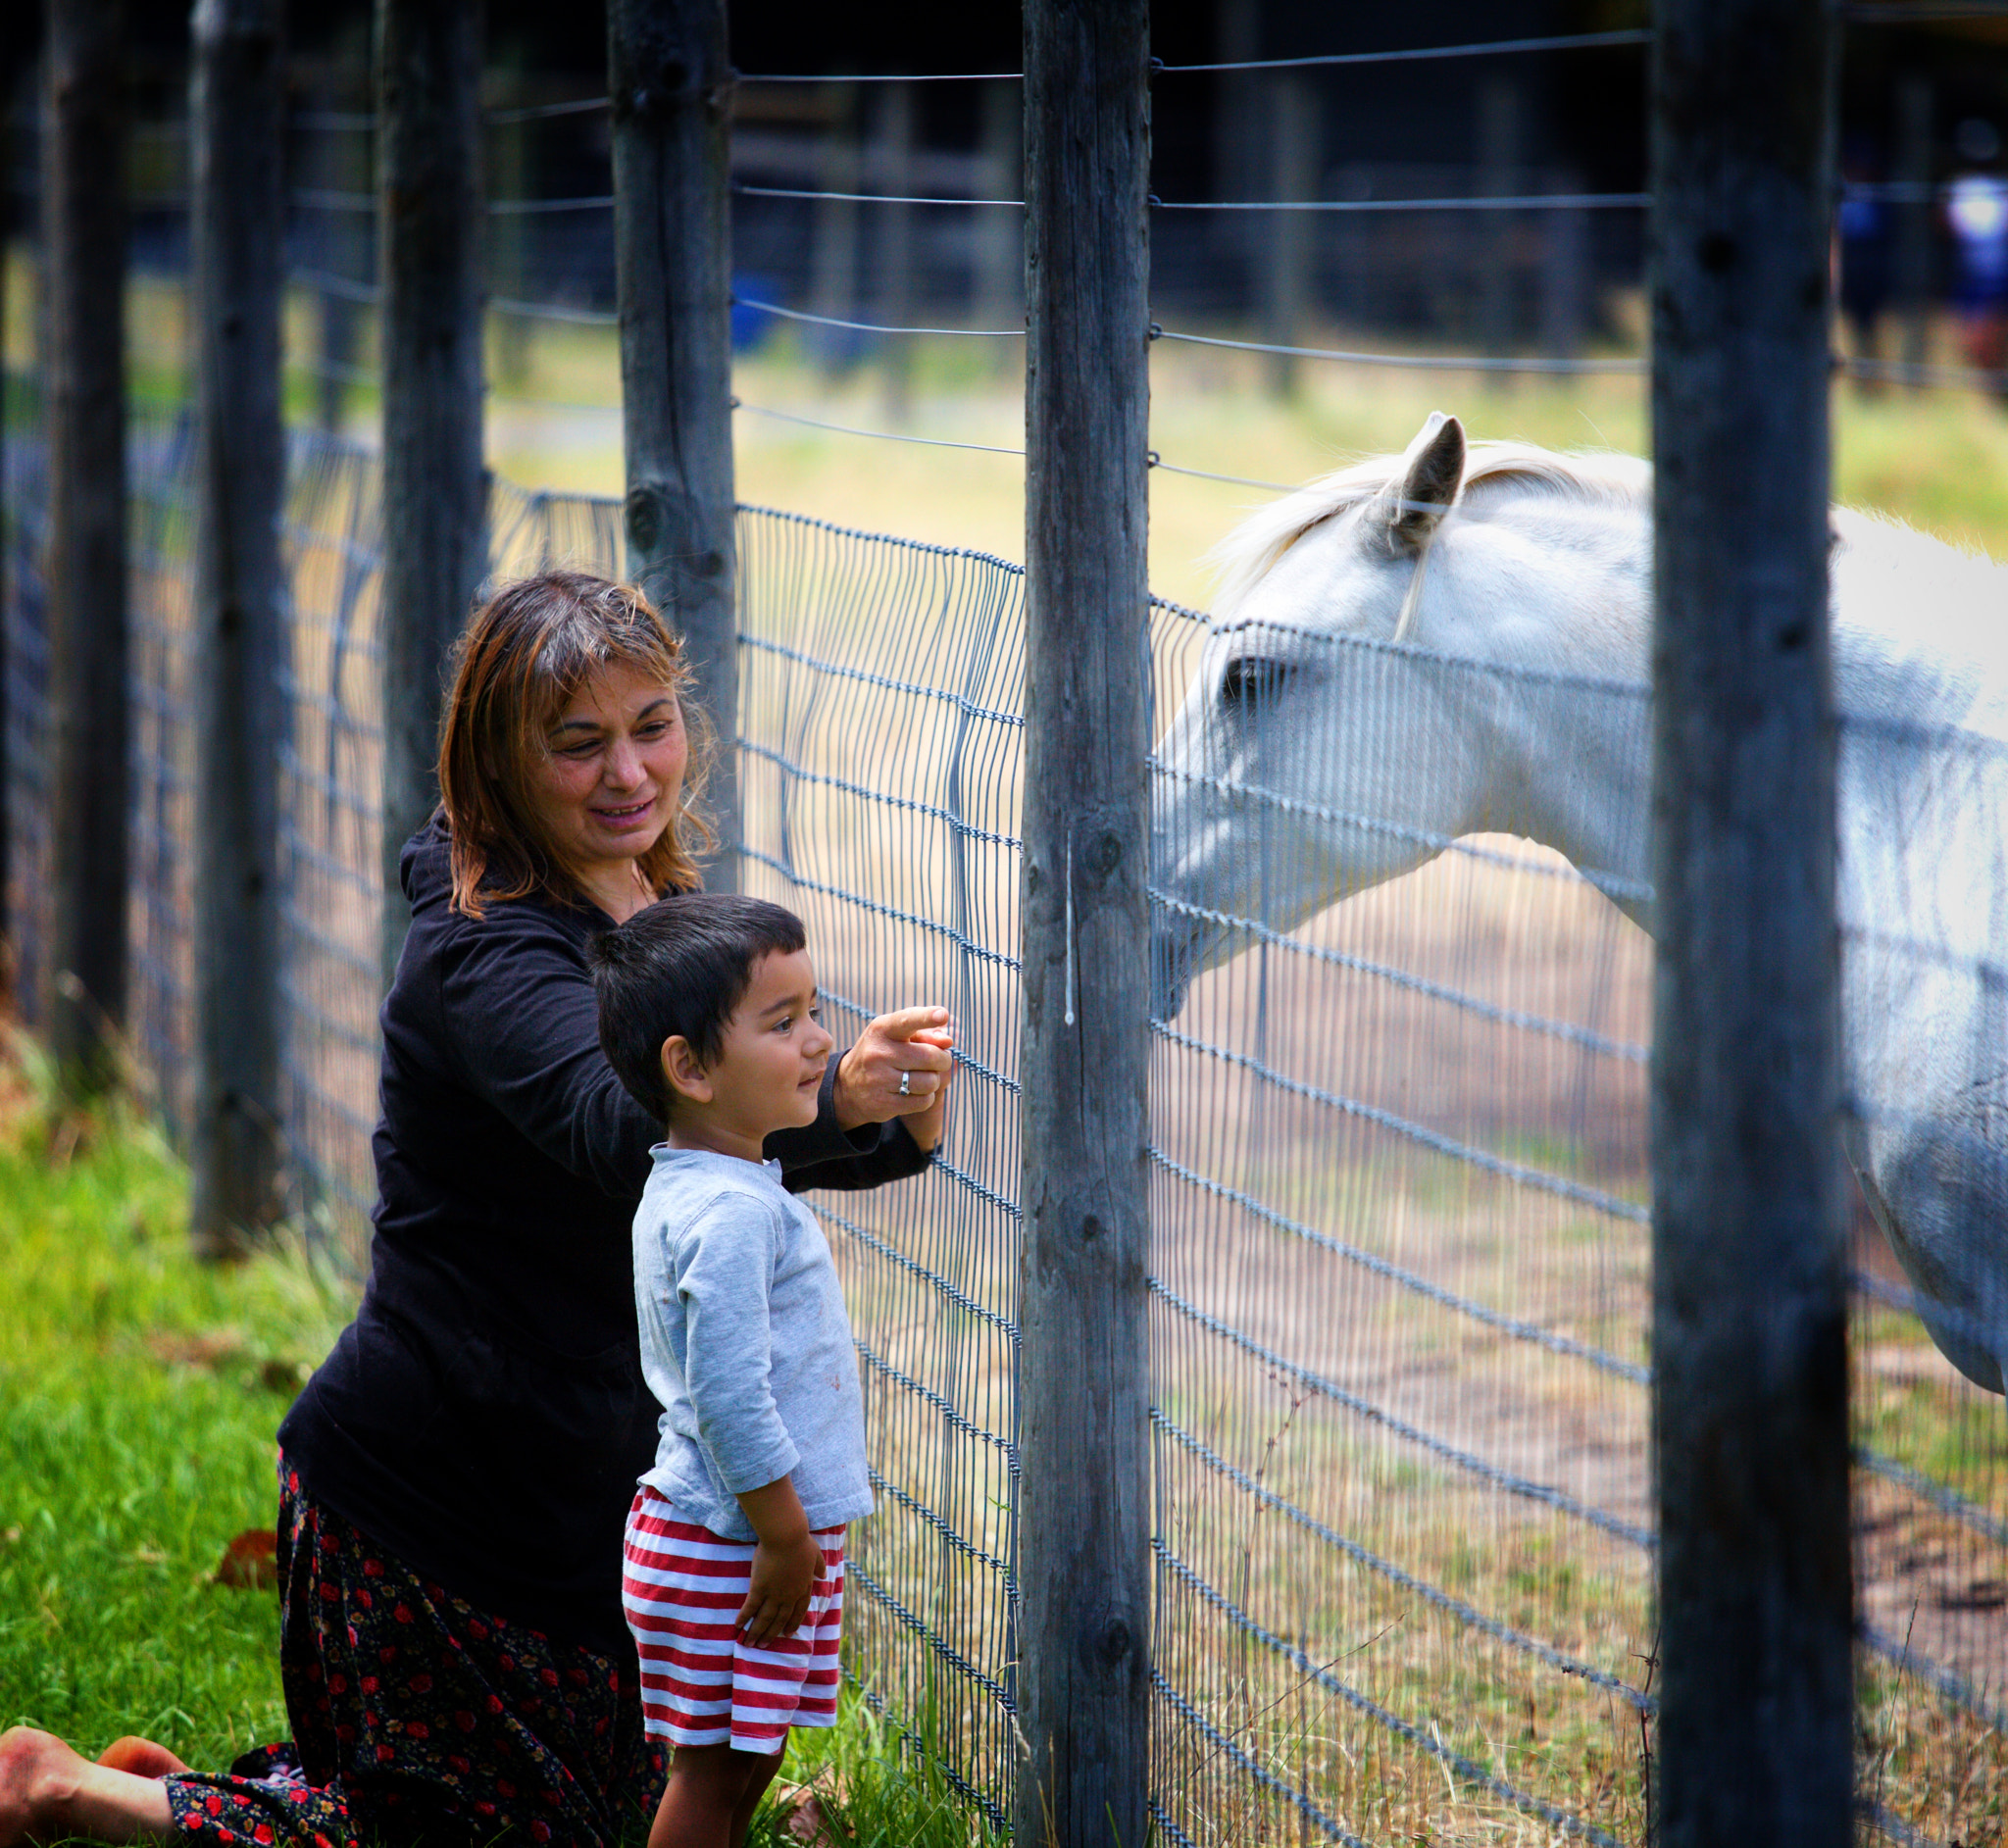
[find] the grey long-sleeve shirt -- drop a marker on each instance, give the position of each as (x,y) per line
(745,1342)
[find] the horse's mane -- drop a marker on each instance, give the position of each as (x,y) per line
(1595,478)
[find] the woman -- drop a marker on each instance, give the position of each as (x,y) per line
(455,1477)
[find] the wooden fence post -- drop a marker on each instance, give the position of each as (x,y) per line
(337,160)
(237,119)
(428,212)
(1296,156)
(1750,1405)
(1914,214)
(1495,235)
(999,295)
(670,87)
(83,177)
(834,235)
(891,163)
(1084,1386)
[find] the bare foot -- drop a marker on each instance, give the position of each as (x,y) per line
(47,1792)
(141,1757)
(32,1769)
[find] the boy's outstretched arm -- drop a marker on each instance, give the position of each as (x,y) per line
(786,1562)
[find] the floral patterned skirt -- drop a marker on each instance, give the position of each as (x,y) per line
(415,1716)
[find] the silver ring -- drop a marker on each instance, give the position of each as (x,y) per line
(906,1084)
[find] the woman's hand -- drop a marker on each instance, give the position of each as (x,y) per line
(911,1044)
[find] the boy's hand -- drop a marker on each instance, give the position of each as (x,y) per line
(787,1561)
(785,1578)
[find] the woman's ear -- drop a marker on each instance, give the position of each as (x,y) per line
(684,1071)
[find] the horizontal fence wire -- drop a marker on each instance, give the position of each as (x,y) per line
(883,436)
(1399,1276)
(869,198)
(869,326)
(1414,54)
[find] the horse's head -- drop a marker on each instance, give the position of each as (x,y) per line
(1315,754)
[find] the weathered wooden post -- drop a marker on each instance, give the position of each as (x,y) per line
(1293,173)
(892,173)
(1496,234)
(428,214)
(1084,1386)
(670,89)
(1914,221)
(83,179)
(834,233)
(1750,1278)
(237,117)
(511,185)
(336,159)
(1000,297)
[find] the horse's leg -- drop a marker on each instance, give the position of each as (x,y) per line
(48,1792)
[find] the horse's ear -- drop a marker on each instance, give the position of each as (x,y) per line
(1432,472)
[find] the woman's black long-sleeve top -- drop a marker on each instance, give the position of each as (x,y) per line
(484,1417)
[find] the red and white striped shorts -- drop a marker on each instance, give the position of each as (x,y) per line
(701,1682)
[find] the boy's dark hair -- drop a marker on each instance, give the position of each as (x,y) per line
(680,966)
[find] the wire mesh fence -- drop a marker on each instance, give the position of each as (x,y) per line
(1401,1280)
(1401,1273)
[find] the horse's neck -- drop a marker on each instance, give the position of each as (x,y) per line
(1569,735)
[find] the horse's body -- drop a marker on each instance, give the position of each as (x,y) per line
(1311,759)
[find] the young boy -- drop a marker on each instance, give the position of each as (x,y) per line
(734,1584)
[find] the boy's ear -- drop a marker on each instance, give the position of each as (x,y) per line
(685,1072)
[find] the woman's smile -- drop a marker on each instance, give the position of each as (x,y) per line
(609,780)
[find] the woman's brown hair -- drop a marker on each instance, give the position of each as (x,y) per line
(524,654)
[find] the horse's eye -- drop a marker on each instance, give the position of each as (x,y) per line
(1251,682)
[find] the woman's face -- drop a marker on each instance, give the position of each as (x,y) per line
(611,773)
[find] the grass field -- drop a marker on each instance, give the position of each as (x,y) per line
(139,1392)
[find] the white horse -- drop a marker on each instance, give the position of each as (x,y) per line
(1450,642)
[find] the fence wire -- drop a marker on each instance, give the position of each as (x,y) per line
(1400,1280)
(1400,1274)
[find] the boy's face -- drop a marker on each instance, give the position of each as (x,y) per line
(770,1067)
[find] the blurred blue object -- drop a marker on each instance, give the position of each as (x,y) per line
(749,325)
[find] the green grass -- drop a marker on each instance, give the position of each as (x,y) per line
(139,1394)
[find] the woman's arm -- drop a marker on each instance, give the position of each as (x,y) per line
(523,1027)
